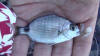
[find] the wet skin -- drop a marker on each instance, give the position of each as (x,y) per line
(78,11)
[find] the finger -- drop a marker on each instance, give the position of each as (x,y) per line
(82,45)
(42,50)
(20,46)
(63,49)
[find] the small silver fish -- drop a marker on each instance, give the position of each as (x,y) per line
(51,29)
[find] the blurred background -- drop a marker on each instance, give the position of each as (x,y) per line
(95,50)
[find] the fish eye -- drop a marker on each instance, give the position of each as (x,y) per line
(72,27)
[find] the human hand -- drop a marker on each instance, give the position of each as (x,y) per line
(78,11)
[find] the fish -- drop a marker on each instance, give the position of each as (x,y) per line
(51,29)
